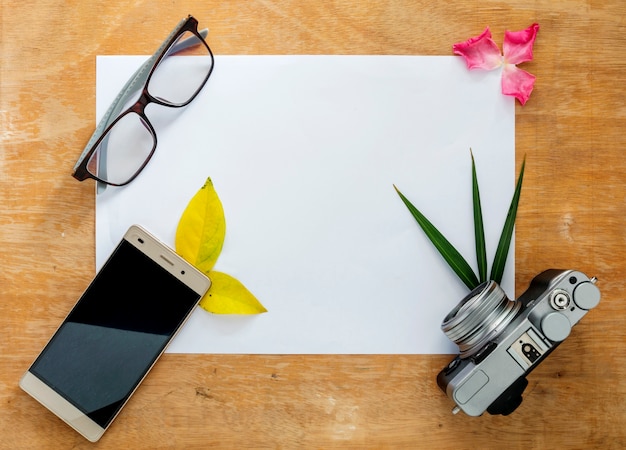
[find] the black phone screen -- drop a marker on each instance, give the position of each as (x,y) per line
(114,334)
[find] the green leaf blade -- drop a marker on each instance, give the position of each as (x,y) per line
(499,261)
(454,259)
(479,228)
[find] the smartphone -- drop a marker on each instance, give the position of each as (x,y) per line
(115,333)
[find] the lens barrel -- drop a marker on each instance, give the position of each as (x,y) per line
(479,317)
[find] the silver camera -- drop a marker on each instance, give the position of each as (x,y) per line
(501,341)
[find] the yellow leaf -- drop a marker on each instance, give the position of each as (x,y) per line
(202,228)
(199,239)
(228,296)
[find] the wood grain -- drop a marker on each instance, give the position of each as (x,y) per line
(571,216)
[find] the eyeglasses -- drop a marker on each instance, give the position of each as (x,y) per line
(125,140)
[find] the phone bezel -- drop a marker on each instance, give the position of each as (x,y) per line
(172,263)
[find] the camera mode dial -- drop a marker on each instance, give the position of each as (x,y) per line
(556,326)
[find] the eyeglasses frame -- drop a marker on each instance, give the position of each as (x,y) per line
(140,80)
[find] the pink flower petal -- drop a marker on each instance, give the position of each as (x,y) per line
(480,52)
(517,82)
(518,45)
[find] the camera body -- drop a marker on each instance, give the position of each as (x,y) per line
(501,341)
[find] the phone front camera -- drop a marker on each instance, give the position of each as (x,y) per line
(182,272)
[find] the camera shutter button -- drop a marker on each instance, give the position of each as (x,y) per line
(555,326)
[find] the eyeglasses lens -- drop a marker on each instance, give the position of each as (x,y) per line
(123,151)
(177,80)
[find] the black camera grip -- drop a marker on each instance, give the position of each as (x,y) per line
(510,399)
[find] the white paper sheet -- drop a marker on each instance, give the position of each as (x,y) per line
(303,152)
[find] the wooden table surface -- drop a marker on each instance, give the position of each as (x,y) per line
(571,216)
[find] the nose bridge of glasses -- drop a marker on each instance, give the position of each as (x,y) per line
(144,99)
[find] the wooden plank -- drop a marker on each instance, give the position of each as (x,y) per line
(571,216)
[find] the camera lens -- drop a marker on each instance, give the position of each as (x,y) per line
(479,318)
